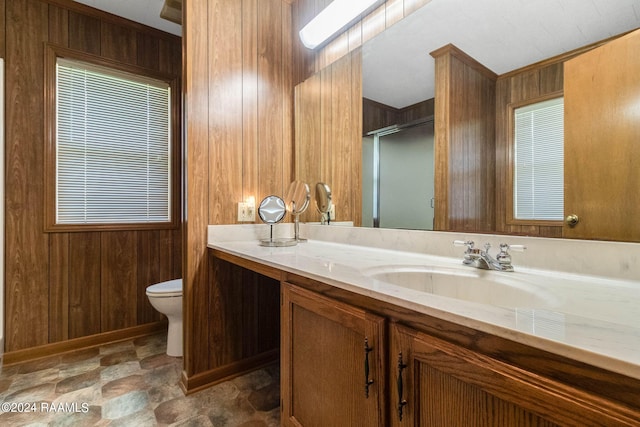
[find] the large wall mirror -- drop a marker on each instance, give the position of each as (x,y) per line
(399,85)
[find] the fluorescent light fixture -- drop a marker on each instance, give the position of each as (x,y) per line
(332,19)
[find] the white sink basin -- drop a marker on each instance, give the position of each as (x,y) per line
(467,283)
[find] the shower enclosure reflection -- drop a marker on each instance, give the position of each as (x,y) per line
(398,177)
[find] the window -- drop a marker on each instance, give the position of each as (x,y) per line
(110,158)
(538,161)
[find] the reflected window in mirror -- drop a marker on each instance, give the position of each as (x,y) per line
(537,165)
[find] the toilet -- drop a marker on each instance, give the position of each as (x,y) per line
(166,297)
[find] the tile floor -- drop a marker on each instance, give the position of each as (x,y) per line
(132,383)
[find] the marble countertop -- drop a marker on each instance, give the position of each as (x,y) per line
(589,318)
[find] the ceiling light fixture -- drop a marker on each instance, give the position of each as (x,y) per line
(334,18)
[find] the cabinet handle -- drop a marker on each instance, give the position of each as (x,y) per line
(401,402)
(367,381)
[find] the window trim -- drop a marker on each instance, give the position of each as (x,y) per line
(511,107)
(52,53)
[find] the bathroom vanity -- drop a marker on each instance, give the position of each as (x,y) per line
(387,327)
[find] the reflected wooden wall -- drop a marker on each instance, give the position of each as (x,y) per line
(61,286)
(464,129)
(328,129)
(377,116)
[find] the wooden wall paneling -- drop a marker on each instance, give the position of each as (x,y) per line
(176,259)
(441,143)
(58,26)
(503,159)
(3,21)
(85,252)
(377,115)
(251,159)
(303,59)
(374,23)
(394,12)
(334,50)
(286,70)
(118,43)
(58,242)
(355,36)
(118,274)
(308,137)
(154,264)
(355,181)
(417,111)
(270,100)
(341,159)
(517,86)
(59,287)
(326,131)
(195,261)
(227,293)
(225,111)
(465,141)
(147,51)
(170,57)
(26,270)
(84,33)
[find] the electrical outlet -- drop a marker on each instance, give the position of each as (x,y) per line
(246,212)
(332,212)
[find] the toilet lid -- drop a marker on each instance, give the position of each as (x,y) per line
(173,287)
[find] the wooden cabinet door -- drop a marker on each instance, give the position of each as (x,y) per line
(328,378)
(602,141)
(436,383)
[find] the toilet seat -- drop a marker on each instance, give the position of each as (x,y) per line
(170,288)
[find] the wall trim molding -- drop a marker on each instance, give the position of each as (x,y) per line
(205,379)
(82,343)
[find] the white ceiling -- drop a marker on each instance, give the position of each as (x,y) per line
(143,11)
(503,35)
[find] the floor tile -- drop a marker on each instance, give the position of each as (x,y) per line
(133,383)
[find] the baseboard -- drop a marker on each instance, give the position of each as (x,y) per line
(53,349)
(202,380)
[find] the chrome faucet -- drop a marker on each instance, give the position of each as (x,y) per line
(482,258)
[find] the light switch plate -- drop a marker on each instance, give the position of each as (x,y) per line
(246,212)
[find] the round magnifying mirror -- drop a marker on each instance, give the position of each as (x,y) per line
(323,198)
(297,197)
(323,202)
(272,210)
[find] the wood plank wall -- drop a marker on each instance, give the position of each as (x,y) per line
(239,107)
(329,129)
(464,129)
(61,286)
(377,116)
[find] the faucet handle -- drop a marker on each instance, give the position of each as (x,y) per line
(468,259)
(514,248)
(468,243)
(503,257)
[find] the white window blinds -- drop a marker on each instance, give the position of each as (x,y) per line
(113,146)
(539,161)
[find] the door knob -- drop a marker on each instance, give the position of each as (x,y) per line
(572,220)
